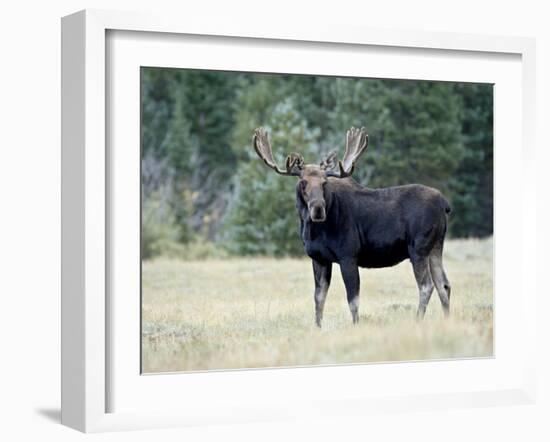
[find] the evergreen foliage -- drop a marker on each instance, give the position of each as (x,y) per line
(262,217)
(199,168)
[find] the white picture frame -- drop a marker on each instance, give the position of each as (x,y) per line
(87,356)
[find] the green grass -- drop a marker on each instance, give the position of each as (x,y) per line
(259,312)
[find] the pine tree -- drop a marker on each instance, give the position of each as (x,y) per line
(196,137)
(413,126)
(473,183)
(262,217)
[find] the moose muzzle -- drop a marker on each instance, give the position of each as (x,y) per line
(317,211)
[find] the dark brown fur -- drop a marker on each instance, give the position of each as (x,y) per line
(375,228)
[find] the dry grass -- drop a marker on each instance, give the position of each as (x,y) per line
(239,313)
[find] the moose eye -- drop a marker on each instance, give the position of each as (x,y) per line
(303,184)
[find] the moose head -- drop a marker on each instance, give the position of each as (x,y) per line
(313,177)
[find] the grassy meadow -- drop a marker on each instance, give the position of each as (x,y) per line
(259,312)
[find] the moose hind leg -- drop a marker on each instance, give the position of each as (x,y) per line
(322,274)
(440,280)
(350,275)
(421,267)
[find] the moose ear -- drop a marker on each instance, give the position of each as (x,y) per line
(329,162)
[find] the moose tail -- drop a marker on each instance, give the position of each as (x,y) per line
(445,205)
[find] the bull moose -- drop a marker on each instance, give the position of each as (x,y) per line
(354,226)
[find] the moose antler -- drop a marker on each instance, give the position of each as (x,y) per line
(294,162)
(356,143)
(330,161)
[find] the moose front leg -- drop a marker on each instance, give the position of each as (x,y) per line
(350,275)
(322,273)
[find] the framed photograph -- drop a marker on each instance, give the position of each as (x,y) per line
(271,222)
